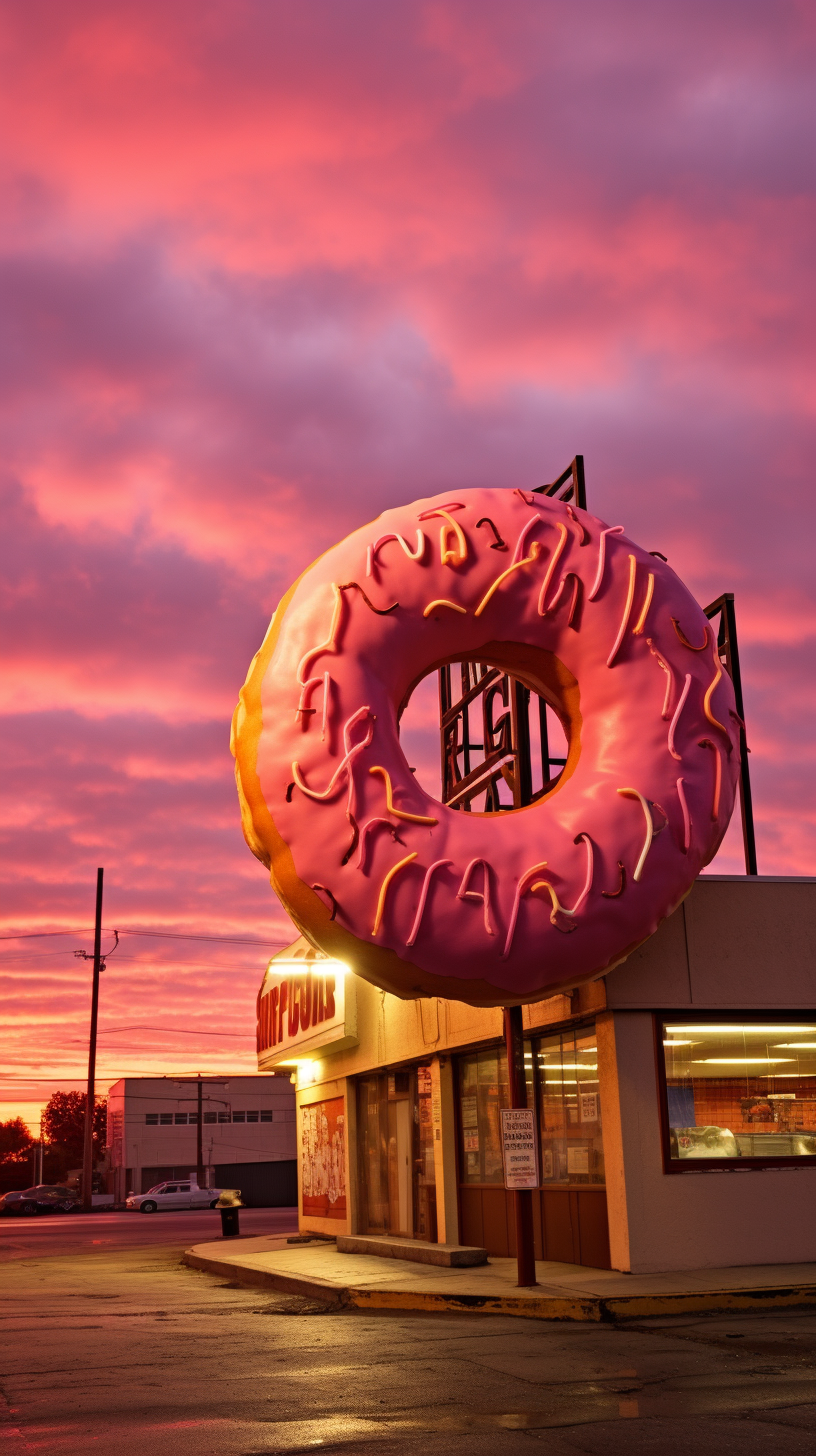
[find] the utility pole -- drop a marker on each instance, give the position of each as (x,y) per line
(201,1171)
(87,1157)
(200,1135)
(40,1153)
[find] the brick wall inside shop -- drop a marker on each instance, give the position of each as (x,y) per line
(719,1103)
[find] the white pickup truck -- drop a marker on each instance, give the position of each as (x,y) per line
(176,1194)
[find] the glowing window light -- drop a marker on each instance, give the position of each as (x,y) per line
(325,965)
(720,1029)
(570,1082)
(740,1061)
(576,1067)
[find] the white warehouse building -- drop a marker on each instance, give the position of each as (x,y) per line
(248,1135)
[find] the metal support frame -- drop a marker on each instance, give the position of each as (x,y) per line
(503,754)
(575,491)
(728,650)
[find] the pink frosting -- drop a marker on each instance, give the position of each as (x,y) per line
(523,900)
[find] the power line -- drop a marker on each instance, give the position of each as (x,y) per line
(159,934)
(224,939)
(174,1030)
(27,960)
(121,1076)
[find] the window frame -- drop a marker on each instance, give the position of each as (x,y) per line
(672,1165)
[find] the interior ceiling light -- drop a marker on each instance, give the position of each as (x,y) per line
(797,1046)
(681,1043)
(738,1061)
(570,1082)
(722,1030)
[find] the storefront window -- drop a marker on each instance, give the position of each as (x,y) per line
(562,1083)
(569,1108)
(482,1094)
(739,1090)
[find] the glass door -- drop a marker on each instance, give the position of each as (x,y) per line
(400,1153)
(424,1172)
(372,1142)
(396,1158)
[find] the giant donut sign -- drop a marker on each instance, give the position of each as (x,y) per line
(493,908)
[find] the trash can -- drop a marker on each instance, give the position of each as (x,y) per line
(229,1205)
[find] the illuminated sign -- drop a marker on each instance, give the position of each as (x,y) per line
(304,1006)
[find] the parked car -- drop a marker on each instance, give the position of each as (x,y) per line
(44,1198)
(177,1194)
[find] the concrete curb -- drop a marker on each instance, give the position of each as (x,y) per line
(270,1278)
(589,1308)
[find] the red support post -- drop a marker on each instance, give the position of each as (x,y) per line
(525,1246)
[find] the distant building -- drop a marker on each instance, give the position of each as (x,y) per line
(248,1135)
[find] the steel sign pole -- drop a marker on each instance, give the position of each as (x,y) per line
(522,1198)
(87,1156)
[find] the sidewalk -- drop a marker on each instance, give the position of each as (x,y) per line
(564,1291)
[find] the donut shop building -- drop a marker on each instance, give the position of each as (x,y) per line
(675,1097)
(593,757)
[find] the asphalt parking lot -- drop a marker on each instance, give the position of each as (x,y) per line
(111,1345)
(50,1234)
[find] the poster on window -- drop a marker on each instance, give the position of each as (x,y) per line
(470,1112)
(588,1106)
(577,1161)
(323,1159)
(520,1148)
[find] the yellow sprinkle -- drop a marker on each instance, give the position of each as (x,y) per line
(384,887)
(535,552)
(330,644)
(460,554)
(715,722)
(556,903)
(443,602)
(641,621)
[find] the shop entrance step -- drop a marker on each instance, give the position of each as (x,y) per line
(451,1256)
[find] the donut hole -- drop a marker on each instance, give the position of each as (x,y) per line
(518,696)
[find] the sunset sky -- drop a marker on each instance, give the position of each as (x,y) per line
(268,267)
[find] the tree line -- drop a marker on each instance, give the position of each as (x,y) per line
(63,1128)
